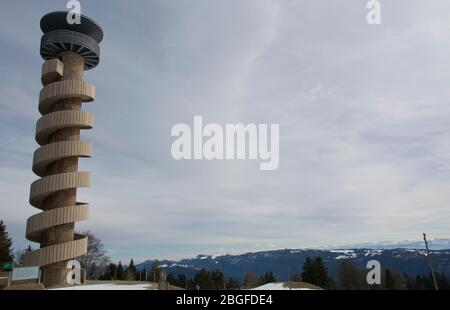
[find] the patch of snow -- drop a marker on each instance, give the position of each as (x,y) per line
(106,287)
(345,254)
(296,251)
(277,287)
(435,244)
(420,252)
(373,252)
(342,251)
(178,265)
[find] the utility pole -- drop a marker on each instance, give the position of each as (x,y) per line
(288,268)
(223,273)
(185,280)
(430,262)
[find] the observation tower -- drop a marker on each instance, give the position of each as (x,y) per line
(68,50)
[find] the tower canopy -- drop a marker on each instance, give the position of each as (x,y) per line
(60,36)
(58,21)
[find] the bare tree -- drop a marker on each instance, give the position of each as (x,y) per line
(95,260)
(350,277)
(252,280)
(19,255)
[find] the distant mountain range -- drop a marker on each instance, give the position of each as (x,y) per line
(407,257)
(434,244)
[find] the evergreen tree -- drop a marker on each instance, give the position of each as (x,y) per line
(181,281)
(233,284)
(110,272)
(315,272)
(120,272)
(426,282)
(218,280)
(6,250)
(389,281)
(29,249)
(204,280)
(307,271)
(420,285)
(131,271)
(323,279)
(443,282)
(268,278)
(172,280)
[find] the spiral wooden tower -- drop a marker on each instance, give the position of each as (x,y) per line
(68,50)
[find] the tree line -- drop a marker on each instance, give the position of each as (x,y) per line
(314,271)
(351,277)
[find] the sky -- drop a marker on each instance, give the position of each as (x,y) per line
(363,111)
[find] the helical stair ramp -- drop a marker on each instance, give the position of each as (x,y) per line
(68,50)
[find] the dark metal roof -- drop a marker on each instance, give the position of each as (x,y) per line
(58,21)
(57,41)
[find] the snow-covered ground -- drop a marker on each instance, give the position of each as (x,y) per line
(107,287)
(278,287)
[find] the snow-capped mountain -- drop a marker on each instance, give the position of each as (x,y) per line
(435,244)
(406,257)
